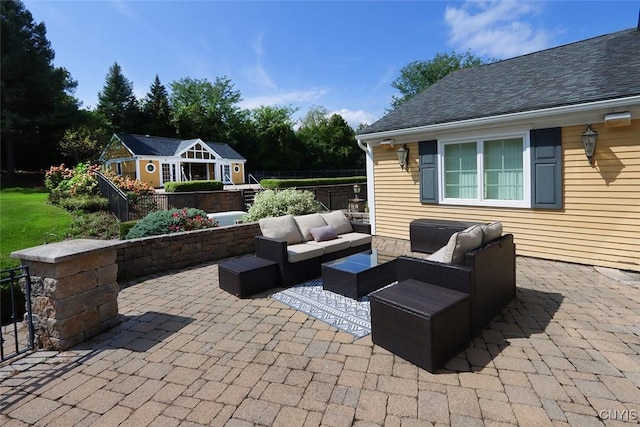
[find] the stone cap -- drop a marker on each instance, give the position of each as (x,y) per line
(65,250)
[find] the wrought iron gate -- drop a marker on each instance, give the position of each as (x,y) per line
(16,332)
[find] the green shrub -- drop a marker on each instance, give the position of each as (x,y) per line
(95,225)
(171,221)
(125,227)
(84,203)
(186,186)
(271,203)
(310,182)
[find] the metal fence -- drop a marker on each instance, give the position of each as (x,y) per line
(118,200)
(322,173)
(16,332)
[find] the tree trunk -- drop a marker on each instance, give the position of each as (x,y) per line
(9,158)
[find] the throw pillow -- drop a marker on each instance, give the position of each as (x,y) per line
(306,222)
(491,232)
(462,242)
(282,228)
(322,234)
(338,221)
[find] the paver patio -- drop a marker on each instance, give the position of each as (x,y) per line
(565,352)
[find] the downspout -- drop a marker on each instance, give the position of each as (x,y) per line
(370,193)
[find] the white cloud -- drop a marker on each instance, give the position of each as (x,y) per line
(496,28)
(257,74)
(284,98)
(356,117)
(123,8)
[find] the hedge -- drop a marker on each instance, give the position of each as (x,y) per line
(310,182)
(187,186)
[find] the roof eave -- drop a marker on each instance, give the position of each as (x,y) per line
(505,118)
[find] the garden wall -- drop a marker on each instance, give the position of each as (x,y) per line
(150,255)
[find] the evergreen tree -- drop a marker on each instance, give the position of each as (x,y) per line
(117,103)
(157,112)
(36,97)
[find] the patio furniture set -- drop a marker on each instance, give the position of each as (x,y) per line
(423,310)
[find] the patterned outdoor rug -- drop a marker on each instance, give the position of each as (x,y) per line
(344,313)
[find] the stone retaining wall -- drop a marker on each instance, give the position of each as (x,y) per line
(74,292)
(150,255)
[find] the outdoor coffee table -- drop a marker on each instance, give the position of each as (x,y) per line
(360,274)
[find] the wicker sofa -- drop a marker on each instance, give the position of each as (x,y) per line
(299,247)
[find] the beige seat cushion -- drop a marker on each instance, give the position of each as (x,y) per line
(438,256)
(338,221)
(491,231)
(282,228)
(331,246)
(303,251)
(307,222)
(356,239)
(462,242)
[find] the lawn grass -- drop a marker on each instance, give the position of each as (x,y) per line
(27,220)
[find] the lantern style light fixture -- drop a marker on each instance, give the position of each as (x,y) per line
(589,138)
(403,155)
(356,189)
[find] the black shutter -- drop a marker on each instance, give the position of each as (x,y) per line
(546,168)
(428,152)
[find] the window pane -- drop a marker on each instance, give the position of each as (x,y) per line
(460,171)
(503,169)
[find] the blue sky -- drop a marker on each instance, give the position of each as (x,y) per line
(342,56)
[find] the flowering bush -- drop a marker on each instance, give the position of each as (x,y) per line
(63,182)
(271,203)
(129,185)
(171,221)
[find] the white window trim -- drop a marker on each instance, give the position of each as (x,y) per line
(480,201)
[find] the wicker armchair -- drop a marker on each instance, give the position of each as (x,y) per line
(488,275)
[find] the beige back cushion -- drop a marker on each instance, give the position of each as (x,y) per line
(461,243)
(282,228)
(307,222)
(338,221)
(491,232)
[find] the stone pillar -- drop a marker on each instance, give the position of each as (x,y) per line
(74,292)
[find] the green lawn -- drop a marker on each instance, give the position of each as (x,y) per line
(26,220)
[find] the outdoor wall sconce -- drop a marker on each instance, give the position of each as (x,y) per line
(589,138)
(403,155)
(356,190)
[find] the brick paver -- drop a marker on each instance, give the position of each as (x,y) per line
(565,352)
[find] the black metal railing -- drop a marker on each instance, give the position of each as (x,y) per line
(322,173)
(16,332)
(118,200)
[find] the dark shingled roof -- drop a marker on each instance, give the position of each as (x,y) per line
(597,69)
(143,145)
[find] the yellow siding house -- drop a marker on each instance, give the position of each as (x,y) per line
(506,142)
(157,160)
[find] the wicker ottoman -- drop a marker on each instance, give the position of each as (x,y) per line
(248,275)
(422,323)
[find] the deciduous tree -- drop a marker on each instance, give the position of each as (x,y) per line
(275,145)
(200,109)
(329,141)
(419,75)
